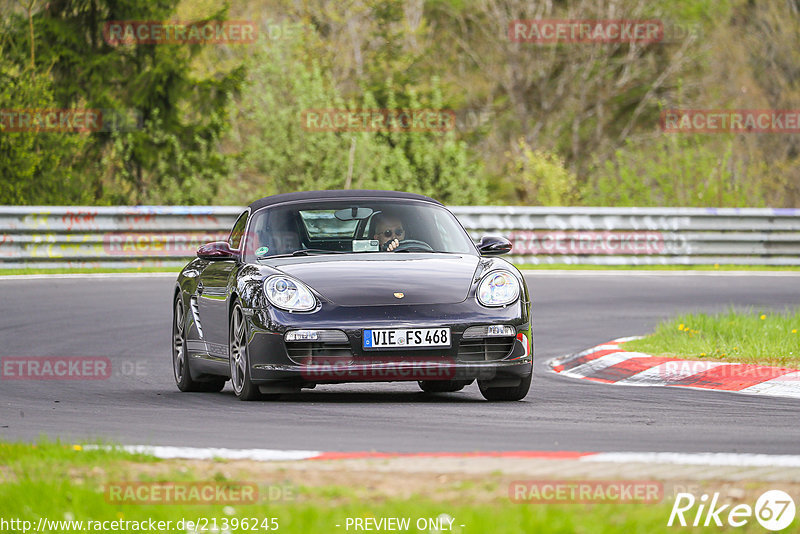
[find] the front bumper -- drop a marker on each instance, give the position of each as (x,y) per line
(271,363)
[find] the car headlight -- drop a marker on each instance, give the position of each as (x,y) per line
(498,288)
(289,294)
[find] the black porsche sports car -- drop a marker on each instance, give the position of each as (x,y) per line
(329,287)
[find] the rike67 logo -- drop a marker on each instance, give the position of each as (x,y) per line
(774,510)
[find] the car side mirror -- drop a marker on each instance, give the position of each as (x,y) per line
(218,250)
(494,245)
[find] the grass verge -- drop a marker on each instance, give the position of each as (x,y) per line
(764,338)
(55,482)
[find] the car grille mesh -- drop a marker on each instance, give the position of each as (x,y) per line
(318,353)
(486,349)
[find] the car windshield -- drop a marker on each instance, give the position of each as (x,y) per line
(354,226)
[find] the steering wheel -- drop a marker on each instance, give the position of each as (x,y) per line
(410,244)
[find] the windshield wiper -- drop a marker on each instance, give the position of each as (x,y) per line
(303,252)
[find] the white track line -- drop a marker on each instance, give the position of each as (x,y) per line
(624,339)
(591,367)
(784,386)
(701,458)
(569,357)
(198,453)
(266,455)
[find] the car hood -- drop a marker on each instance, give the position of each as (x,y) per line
(373,280)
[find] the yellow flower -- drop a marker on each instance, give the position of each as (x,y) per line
(702,354)
(716,265)
(680,326)
(794,330)
(763,316)
(77,448)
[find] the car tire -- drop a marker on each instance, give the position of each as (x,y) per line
(243,386)
(514,393)
(441,386)
(180,358)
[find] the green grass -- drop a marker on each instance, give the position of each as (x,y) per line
(60,482)
(47,459)
(766,338)
(61,500)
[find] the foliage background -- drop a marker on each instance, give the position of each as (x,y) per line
(565,124)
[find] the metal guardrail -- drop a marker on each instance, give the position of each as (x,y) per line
(167,236)
(137,236)
(642,236)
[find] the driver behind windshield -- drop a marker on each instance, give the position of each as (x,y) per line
(277,236)
(389,231)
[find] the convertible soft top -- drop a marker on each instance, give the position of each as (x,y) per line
(339,194)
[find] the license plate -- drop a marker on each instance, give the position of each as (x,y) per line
(399,338)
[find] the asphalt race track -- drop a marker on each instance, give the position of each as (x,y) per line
(128,320)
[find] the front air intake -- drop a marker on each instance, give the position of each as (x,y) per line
(485,349)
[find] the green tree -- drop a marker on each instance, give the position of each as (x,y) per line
(674,170)
(280,154)
(536,177)
(36,167)
(182,114)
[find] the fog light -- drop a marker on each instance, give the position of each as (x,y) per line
(477,332)
(332,336)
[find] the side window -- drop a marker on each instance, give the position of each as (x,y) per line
(443,233)
(237,233)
